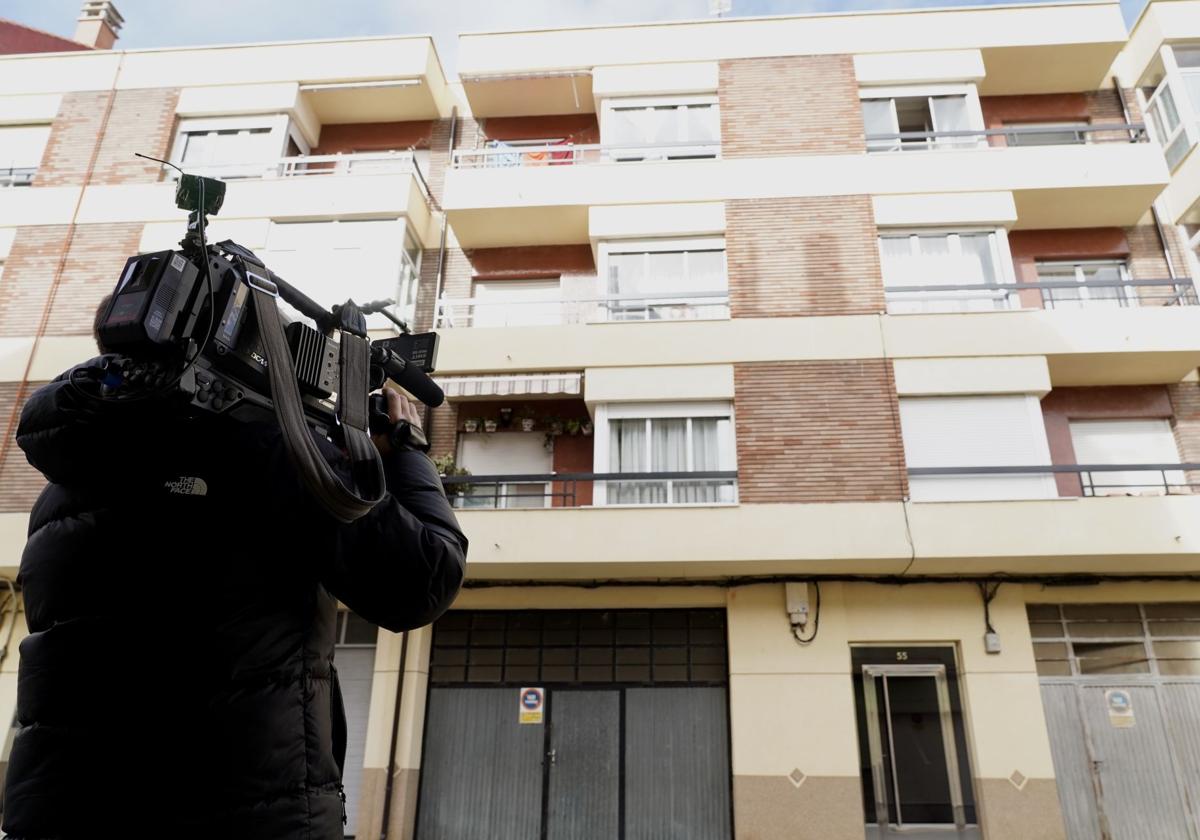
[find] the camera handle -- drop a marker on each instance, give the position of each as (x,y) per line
(367,468)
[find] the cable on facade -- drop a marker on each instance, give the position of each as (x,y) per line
(64,253)
(816,618)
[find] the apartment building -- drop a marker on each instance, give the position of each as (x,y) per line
(822,400)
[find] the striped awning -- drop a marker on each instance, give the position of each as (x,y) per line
(512,385)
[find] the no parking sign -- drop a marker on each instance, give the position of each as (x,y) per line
(532,705)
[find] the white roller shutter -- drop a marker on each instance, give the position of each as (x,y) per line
(355,666)
(1127,442)
(21,146)
(975,432)
(332,261)
(517,303)
(504,453)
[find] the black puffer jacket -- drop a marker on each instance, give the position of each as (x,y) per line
(180,589)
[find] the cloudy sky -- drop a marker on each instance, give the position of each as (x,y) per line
(168,23)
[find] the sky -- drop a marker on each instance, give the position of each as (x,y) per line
(172,23)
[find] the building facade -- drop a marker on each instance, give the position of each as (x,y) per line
(822,405)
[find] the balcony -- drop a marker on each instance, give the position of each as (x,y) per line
(1047,294)
(17,176)
(567,154)
(363,163)
(486,312)
(1085,480)
(569,490)
(501,197)
(1064,135)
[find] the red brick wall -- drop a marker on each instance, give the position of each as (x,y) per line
(576,128)
(803,256)
(818,432)
(790,105)
(96,256)
(141,121)
(374,137)
(1100,106)
(19,482)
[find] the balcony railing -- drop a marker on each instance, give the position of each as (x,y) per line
(17,176)
(566,154)
(1056,294)
(675,306)
(543,490)
(1094,479)
(1016,135)
(365,163)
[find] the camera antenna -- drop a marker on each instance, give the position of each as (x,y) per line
(163,162)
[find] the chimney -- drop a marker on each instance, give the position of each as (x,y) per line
(99,23)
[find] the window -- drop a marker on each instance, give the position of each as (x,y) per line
(1127,442)
(21,149)
(516,303)
(665,280)
(953,260)
(695,437)
(1102,639)
(662,129)
(505,453)
(1174,107)
(889,111)
(990,431)
(364,260)
(1047,134)
(1094,284)
(236,147)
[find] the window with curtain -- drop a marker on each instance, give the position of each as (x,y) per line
(21,149)
(663,129)
(666,280)
(886,115)
(671,444)
(1081,295)
(983,431)
(964,259)
(359,259)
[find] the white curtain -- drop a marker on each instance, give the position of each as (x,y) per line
(879,118)
(706,457)
(627,453)
(950,114)
(703,124)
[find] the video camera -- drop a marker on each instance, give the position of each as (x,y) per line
(201,328)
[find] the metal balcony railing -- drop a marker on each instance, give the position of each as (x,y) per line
(1151,479)
(1059,294)
(17,176)
(542,490)
(675,306)
(1014,136)
(567,154)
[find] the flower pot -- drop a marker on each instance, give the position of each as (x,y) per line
(586,428)
(489,425)
(471,426)
(526,424)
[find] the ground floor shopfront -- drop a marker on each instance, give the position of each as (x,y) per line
(693,712)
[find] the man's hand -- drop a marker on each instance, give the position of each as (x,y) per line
(399,408)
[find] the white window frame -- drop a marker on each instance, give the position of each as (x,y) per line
(607,412)
(8,166)
(280,126)
(1001,254)
(1128,296)
(377,321)
(652,152)
(650,246)
(1187,132)
(894,92)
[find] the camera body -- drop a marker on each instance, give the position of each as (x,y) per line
(182,326)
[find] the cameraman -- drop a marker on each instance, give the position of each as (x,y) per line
(180,589)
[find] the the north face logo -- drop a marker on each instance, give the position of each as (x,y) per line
(187,485)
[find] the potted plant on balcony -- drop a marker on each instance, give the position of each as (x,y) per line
(573,426)
(528,419)
(586,427)
(447,468)
(490,425)
(471,425)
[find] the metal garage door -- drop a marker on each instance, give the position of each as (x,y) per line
(632,742)
(354,659)
(1121,692)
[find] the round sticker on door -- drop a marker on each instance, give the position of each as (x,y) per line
(1120,708)
(532,705)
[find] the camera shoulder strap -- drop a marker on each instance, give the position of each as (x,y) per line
(342,502)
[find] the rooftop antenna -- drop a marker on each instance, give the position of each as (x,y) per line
(719,8)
